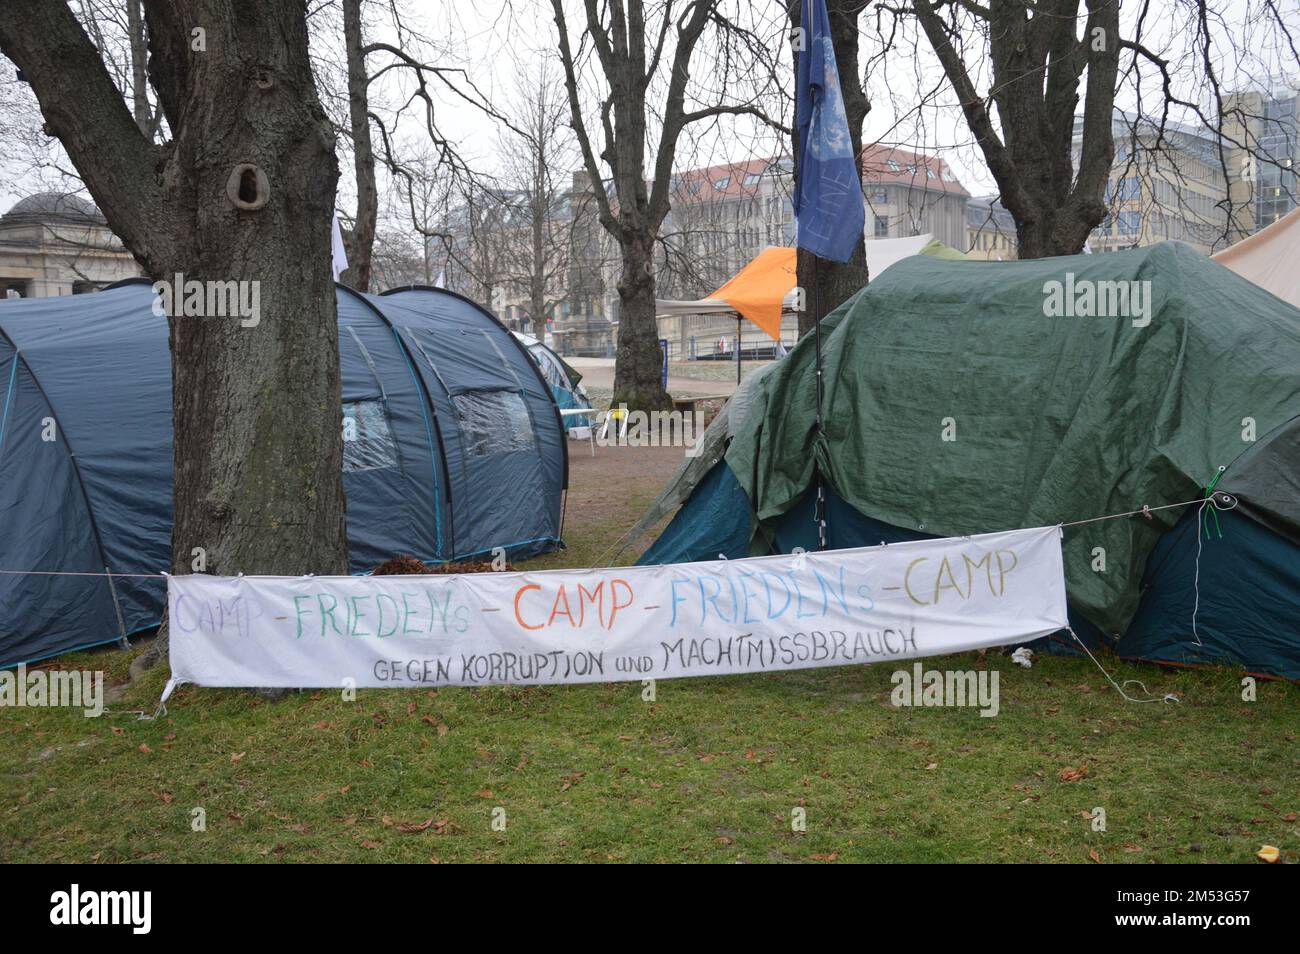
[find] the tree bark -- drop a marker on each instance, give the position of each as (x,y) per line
(638,361)
(828,284)
(139,79)
(362,241)
(257,441)
(1037,63)
(628,64)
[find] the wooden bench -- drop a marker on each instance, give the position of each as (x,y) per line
(687,404)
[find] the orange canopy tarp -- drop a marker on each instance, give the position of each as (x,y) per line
(759,289)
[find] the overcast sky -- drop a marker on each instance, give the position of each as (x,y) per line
(494,41)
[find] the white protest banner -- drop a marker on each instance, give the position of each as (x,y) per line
(840,607)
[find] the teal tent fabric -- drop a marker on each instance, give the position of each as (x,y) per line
(1249,608)
(955,404)
(958,402)
(563,381)
(715,521)
(452,446)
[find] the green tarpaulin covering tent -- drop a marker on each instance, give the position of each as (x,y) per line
(964,397)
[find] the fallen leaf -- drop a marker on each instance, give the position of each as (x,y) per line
(484,793)
(165,797)
(1092,853)
(411,827)
(833,856)
(366,843)
(117,730)
(235,757)
(145,749)
(1268,853)
(1071,774)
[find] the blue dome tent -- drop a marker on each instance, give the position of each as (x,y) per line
(453,447)
(565,381)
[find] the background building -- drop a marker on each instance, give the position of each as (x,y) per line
(1265,126)
(54,243)
(723,216)
(910,193)
(1163,186)
(990,230)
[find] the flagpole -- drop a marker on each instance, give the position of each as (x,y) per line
(819,508)
(828,163)
(738,320)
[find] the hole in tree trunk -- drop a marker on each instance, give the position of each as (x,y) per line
(248,187)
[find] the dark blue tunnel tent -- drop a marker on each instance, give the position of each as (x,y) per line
(453,446)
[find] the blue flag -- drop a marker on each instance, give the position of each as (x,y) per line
(828,200)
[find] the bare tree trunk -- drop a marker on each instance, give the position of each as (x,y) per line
(828,284)
(628,49)
(638,359)
(256,410)
(540,203)
(139,79)
(362,243)
(537,279)
(1038,62)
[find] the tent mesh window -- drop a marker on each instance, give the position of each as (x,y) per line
(550,370)
(367,440)
(493,422)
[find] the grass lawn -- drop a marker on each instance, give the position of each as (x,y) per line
(711,770)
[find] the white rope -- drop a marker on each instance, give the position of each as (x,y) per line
(1119,687)
(1196,575)
(1230,503)
(1146,511)
(142,576)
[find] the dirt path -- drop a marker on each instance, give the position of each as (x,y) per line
(608,494)
(599,373)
